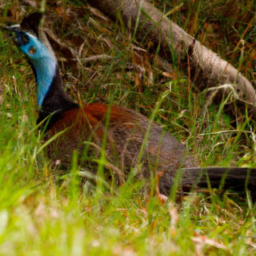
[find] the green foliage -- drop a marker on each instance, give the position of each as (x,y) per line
(44,211)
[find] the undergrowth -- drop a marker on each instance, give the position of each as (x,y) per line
(45,213)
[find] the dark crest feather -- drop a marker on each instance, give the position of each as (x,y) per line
(31,22)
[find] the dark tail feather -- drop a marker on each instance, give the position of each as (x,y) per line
(233,178)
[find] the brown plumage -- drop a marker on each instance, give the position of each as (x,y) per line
(127,144)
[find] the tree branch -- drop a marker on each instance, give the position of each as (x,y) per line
(150,24)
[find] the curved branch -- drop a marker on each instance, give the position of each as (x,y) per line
(148,23)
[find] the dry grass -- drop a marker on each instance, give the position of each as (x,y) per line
(44,213)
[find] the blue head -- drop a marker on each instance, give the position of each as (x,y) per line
(40,58)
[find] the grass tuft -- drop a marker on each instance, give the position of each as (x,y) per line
(46,212)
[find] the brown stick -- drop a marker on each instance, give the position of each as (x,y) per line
(150,24)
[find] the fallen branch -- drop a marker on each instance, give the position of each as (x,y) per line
(150,24)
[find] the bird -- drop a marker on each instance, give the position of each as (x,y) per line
(131,143)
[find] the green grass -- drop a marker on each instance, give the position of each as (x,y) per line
(43,212)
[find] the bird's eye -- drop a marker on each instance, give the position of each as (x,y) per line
(32,50)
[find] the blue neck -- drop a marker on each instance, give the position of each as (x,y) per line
(45,69)
(51,97)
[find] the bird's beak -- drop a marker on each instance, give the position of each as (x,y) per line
(14,28)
